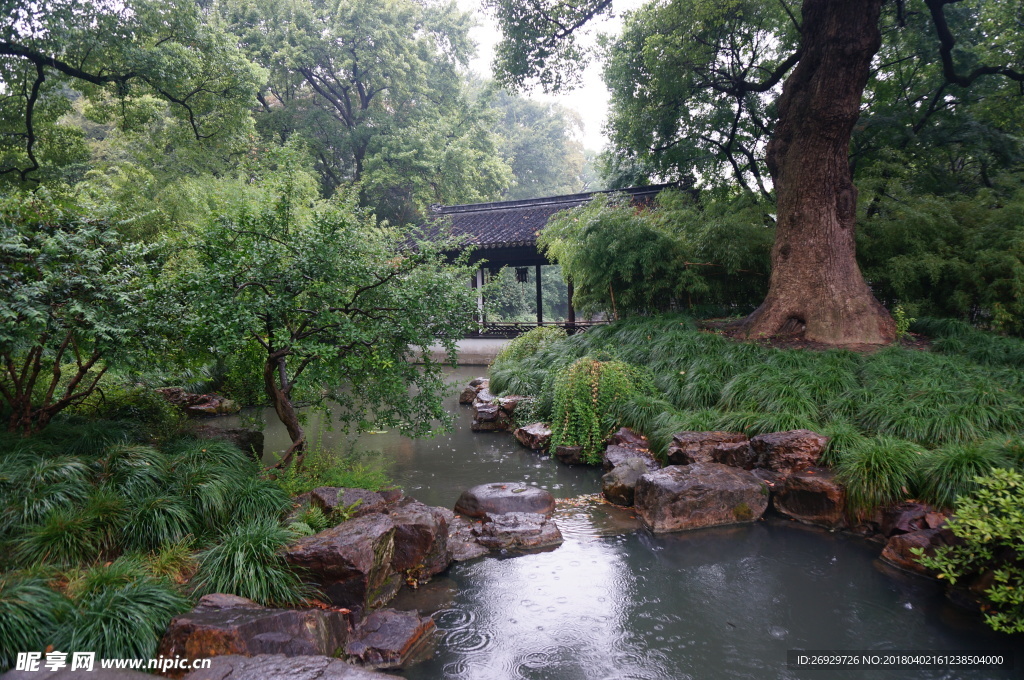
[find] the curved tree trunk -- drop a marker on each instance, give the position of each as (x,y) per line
(280,397)
(816,286)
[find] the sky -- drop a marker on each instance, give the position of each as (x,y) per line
(590,100)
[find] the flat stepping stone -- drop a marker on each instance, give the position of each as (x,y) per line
(501,497)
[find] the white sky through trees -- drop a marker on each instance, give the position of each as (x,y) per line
(590,99)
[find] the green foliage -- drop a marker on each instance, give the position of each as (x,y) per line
(903,321)
(990,521)
(323,467)
(626,260)
(877,472)
(950,471)
(337,301)
(246,561)
(65,537)
(119,611)
(528,344)
(584,393)
(29,613)
(131,403)
(71,300)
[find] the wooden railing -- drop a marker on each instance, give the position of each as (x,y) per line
(512,329)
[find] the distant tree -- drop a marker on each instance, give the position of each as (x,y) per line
(119,54)
(338,303)
(376,88)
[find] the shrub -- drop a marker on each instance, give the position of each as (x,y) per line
(29,614)
(990,522)
(246,561)
(950,472)
(584,394)
(132,403)
(878,472)
(528,344)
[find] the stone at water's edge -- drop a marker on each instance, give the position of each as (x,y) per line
(615,455)
(699,447)
(899,549)
(682,497)
(467,395)
(630,439)
(536,436)
(512,530)
(501,497)
(421,541)
(351,562)
(388,638)
(570,455)
(199,404)
(225,624)
(812,496)
(908,517)
(618,486)
(788,452)
(276,667)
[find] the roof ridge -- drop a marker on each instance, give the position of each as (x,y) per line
(547,200)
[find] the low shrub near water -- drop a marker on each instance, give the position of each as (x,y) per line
(322,467)
(990,522)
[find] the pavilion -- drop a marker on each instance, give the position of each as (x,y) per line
(504,234)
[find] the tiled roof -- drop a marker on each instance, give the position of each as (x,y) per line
(516,223)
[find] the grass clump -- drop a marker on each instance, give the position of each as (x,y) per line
(878,471)
(950,472)
(29,613)
(119,611)
(246,561)
(528,344)
(322,467)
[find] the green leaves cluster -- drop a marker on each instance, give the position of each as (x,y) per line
(990,522)
(72,298)
(625,259)
(583,395)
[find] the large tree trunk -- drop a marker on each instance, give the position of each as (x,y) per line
(816,286)
(275,383)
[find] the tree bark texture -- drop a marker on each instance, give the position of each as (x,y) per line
(280,397)
(816,286)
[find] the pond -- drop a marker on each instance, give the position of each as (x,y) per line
(614,601)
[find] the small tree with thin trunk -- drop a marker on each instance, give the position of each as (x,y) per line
(72,296)
(339,304)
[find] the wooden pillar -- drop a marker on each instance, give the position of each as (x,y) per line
(570,316)
(540,299)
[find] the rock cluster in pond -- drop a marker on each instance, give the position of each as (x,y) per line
(682,497)
(490,413)
(516,530)
(512,516)
(199,404)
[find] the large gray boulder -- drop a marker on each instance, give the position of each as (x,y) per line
(278,667)
(388,638)
(501,497)
(790,451)
(352,562)
(421,541)
(618,486)
(681,497)
(703,447)
(362,502)
(615,455)
(226,624)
